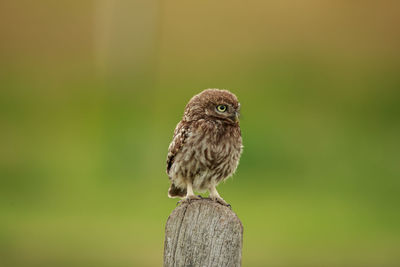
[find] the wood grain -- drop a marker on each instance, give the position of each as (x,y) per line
(203,233)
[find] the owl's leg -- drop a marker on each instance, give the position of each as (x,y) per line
(189,195)
(216,197)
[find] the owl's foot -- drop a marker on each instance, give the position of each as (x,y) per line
(214,196)
(221,201)
(188,199)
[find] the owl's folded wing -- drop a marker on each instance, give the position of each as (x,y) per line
(180,135)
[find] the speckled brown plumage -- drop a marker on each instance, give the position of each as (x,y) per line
(206,146)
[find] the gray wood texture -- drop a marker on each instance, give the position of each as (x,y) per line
(203,233)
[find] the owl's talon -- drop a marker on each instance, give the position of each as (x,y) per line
(192,197)
(221,201)
(180,202)
(189,199)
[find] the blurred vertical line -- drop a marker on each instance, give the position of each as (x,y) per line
(104,12)
(158,43)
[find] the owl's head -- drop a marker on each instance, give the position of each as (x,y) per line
(213,104)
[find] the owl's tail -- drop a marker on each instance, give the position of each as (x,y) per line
(174,191)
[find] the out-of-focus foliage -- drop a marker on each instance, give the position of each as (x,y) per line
(90,93)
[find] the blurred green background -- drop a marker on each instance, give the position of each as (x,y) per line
(90,93)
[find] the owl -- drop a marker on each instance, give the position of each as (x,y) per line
(206,145)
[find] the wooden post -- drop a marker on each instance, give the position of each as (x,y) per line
(203,233)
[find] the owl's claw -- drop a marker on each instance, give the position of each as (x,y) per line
(189,199)
(221,201)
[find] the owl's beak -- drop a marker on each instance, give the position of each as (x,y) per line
(235,118)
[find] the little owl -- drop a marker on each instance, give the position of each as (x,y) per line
(206,146)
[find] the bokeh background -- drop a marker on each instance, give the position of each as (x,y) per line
(90,92)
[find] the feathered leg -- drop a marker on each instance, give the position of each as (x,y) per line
(216,197)
(189,195)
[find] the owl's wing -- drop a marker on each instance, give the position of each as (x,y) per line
(180,135)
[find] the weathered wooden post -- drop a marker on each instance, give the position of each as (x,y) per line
(203,233)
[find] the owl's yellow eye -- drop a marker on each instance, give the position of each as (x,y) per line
(221,108)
